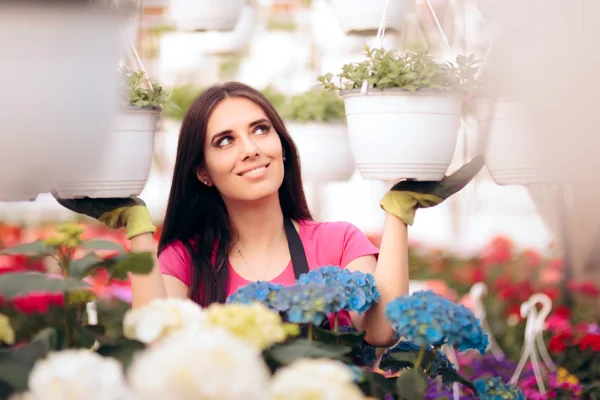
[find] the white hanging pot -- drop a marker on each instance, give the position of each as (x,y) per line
(59,92)
(324,151)
(395,134)
(355,16)
(205,15)
(124,169)
(513,153)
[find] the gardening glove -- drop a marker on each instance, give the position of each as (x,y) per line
(407,196)
(129,213)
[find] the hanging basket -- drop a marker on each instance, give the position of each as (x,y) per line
(364,16)
(395,134)
(205,15)
(55,86)
(124,169)
(513,154)
(324,150)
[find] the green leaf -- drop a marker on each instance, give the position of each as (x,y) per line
(86,336)
(122,350)
(37,248)
(16,364)
(82,267)
(23,283)
(101,244)
(350,339)
(302,348)
(136,263)
(405,356)
(412,384)
(449,375)
(378,385)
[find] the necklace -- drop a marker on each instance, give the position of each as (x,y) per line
(239,251)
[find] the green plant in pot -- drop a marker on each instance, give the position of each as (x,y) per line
(124,170)
(411,108)
(316,121)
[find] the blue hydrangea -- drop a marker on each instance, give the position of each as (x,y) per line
(358,287)
(495,389)
(308,302)
(263,292)
(426,318)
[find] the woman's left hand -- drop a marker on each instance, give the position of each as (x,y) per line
(407,196)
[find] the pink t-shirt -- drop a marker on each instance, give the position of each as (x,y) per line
(325,243)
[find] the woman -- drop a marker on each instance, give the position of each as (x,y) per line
(237,213)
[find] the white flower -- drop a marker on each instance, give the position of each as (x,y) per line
(77,374)
(210,365)
(314,379)
(162,318)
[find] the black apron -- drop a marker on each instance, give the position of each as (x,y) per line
(297,255)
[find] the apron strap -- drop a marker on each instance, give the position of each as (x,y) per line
(296,249)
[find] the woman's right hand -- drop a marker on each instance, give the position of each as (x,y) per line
(130,213)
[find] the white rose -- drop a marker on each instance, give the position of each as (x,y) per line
(210,365)
(162,318)
(314,379)
(77,374)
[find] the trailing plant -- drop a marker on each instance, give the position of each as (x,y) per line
(411,71)
(182,98)
(138,93)
(315,105)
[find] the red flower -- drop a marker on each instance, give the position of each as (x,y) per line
(590,341)
(532,258)
(559,320)
(514,309)
(38,303)
(584,288)
(499,251)
(559,342)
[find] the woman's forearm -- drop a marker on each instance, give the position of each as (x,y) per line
(391,276)
(145,288)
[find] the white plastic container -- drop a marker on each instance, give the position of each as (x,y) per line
(59,92)
(365,15)
(205,15)
(395,134)
(324,150)
(124,169)
(513,154)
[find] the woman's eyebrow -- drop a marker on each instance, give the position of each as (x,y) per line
(259,121)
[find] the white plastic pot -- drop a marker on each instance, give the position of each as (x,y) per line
(513,153)
(124,169)
(205,15)
(324,151)
(59,92)
(395,134)
(365,15)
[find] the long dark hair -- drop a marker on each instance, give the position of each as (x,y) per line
(196,214)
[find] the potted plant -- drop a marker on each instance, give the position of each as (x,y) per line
(513,153)
(316,121)
(363,17)
(43,107)
(405,126)
(206,15)
(125,166)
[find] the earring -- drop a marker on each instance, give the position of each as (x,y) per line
(206,182)
(283,158)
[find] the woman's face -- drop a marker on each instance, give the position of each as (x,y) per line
(243,152)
